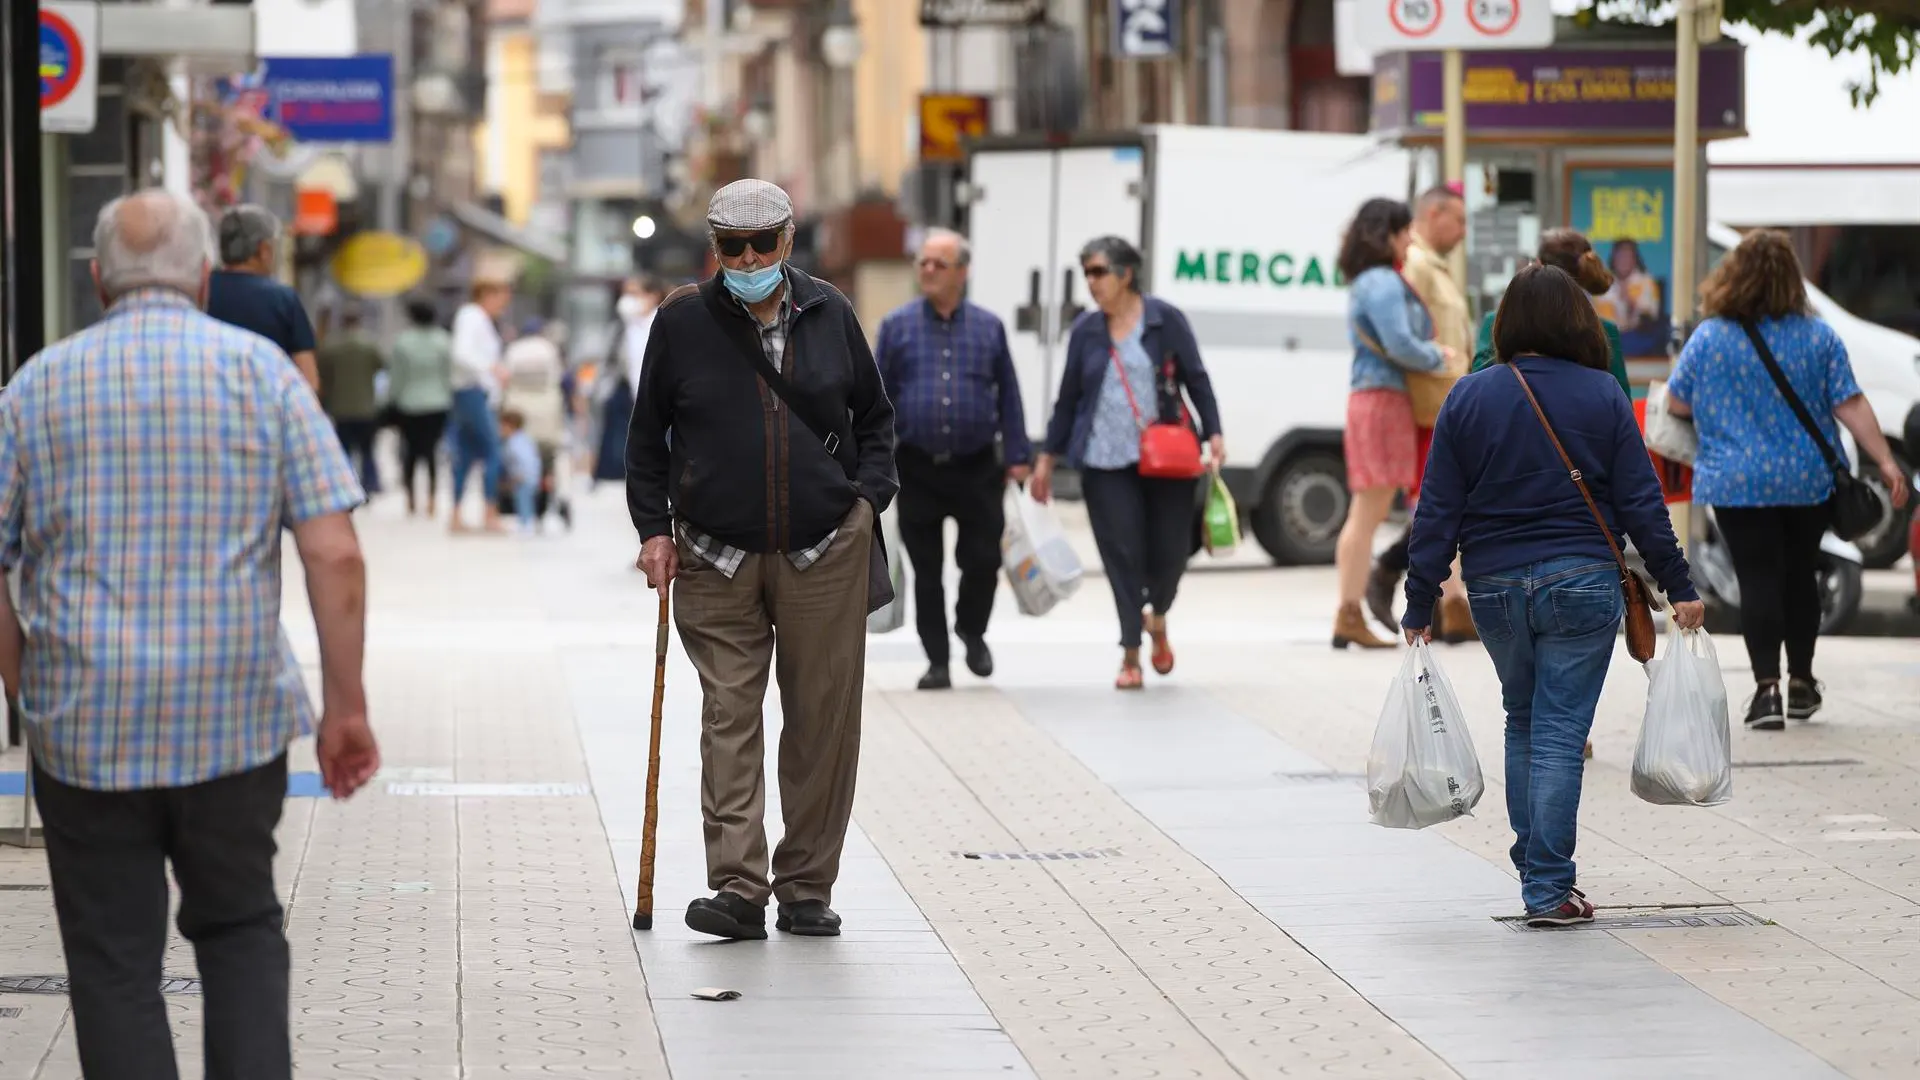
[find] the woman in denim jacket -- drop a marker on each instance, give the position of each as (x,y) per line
(1392,334)
(1114,381)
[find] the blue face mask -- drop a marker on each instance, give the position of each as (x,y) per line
(752,286)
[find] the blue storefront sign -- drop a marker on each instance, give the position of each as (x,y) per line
(343,99)
(1143,29)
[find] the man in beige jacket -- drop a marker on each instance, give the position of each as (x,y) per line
(1439,226)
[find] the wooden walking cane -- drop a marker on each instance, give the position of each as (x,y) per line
(643,906)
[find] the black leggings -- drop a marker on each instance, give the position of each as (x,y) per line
(1144,530)
(420,435)
(1776,556)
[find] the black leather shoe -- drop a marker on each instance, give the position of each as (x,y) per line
(936,678)
(728,915)
(979,657)
(1803,699)
(807,918)
(1381,585)
(1766,712)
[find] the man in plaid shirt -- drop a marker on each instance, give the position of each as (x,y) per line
(147,467)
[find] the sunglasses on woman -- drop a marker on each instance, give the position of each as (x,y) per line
(1095,270)
(763,242)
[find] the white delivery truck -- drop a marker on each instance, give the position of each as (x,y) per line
(1240,230)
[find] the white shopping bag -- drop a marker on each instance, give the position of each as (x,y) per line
(892,616)
(1672,437)
(1422,770)
(1685,753)
(1040,562)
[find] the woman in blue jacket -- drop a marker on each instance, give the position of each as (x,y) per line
(1541,577)
(1115,381)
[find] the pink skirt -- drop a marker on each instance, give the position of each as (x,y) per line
(1383,449)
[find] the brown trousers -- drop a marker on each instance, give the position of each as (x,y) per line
(730,627)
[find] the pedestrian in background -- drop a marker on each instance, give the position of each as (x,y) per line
(962,438)
(1573,253)
(535,373)
(1542,575)
(1439,226)
(1392,333)
(159,736)
(349,363)
(767,522)
(620,380)
(244,293)
(1130,362)
(477,378)
(420,383)
(1759,468)
(520,469)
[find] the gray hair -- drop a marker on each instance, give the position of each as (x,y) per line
(153,238)
(1120,256)
(959,242)
(243,229)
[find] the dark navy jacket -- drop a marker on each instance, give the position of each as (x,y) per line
(1088,360)
(1496,491)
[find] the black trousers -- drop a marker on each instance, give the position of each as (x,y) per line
(420,435)
(1776,556)
(356,438)
(108,853)
(1144,530)
(969,490)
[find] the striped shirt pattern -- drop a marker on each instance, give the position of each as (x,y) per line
(147,467)
(725,557)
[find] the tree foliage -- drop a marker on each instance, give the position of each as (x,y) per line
(1885,32)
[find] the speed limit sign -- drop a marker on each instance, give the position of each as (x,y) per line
(1398,25)
(1415,18)
(1493,17)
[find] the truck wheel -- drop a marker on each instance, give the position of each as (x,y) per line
(1299,517)
(1882,547)
(1840,593)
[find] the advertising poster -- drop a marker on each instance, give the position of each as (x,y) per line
(1628,214)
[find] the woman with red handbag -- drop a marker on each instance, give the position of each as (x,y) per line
(1121,419)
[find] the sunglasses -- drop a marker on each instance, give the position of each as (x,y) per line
(1095,271)
(763,242)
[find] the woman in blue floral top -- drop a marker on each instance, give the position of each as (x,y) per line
(1759,468)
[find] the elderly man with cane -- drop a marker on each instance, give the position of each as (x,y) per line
(759,458)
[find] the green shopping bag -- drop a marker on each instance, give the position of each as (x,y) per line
(1220,525)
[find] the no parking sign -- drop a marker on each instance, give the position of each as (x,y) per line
(69,65)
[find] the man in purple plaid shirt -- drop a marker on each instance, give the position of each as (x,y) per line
(148,465)
(962,437)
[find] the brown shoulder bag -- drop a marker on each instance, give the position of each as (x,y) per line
(1638,595)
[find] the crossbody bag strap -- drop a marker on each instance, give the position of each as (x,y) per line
(1793,399)
(1573,470)
(782,389)
(1126,384)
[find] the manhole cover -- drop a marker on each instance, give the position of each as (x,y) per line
(1655,919)
(1036,856)
(1803,763)
(57,984)
(15,887)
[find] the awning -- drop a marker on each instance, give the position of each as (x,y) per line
(501,231)
(1750,195)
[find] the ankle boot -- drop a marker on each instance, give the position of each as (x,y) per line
(1350,628)
(1455,622)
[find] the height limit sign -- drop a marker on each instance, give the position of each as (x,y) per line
(1405,25)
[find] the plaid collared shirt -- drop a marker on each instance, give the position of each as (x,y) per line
(725,557)
(147,467)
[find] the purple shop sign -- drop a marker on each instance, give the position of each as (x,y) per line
(1561,94)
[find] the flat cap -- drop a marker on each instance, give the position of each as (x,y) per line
(749,204)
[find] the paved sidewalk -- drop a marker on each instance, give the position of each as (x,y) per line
(1046,879)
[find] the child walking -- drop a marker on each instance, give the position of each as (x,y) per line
(521,457)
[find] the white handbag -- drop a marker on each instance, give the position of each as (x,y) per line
(1672,437)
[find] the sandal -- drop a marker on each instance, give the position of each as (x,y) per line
(1130,678)
(1162,651)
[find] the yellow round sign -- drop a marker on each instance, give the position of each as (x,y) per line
(379,264)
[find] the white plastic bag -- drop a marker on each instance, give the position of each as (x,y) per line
(1422,770)
(1672,437)
(1685,753)
(893,615)
(1040,562)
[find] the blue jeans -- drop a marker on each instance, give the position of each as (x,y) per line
(524,494)
(1550,628)
(476,441)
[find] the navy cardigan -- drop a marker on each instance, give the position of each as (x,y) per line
(1089,351)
